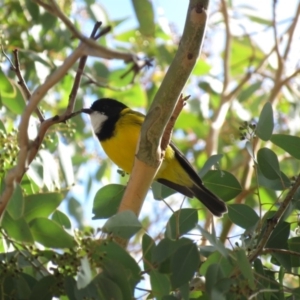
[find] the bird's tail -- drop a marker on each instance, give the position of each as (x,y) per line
(216,206)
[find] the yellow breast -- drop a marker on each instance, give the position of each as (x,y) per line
(121,149)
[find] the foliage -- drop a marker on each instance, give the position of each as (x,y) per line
(245,109)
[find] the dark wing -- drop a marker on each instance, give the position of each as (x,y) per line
(198,190)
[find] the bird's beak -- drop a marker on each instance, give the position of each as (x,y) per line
(87,110)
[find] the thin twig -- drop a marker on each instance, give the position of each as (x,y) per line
(227,49)
(79,73)
(291,32)
(166,138)
(16,68)
(281,251)
(271,223)
(276,40)
(94,49)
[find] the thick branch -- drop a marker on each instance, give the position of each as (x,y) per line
(149,156)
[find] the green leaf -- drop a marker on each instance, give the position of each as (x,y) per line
(106,289)
(279,240)
(213,160)
(184,263)
(294,245)
(148,244)
(15,205)
(278,184)
(201,68)
(222,183)
(11,96)
(268,163)
(17,229)
(213,275)
(41,205)
(214,241)
(134,97)
(33,9)
(50,234)
(160,284)
(265,123)
(62,219)
(107,201)
(14,287)
(185,291)
(44,287)
(279,236)
(164,249)
(245,267)
(248,91)
(226,264)
(124,224)
(160,191)
(242,215)
(259,20)
(48,21)
(145,15)
(289,143)
(181,222)
(119,275)
(2,127)
(110,251)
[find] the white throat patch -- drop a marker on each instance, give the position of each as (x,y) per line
(97,119)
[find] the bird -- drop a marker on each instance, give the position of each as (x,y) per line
(118,127)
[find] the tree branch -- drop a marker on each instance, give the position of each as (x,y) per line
(271,223)
(28,150)
(149,154)
(94,49)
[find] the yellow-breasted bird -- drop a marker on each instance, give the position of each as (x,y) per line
(118,128)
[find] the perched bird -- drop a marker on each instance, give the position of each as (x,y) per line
(118,128)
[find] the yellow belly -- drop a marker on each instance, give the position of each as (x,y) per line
(121,149)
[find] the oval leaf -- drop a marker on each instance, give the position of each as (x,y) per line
(245,267)
(160,191)
(265,123)
(41,205)
(50,234)
(61,219)
(184,263)
(160,284)
(15,205)
(289,143)
(145,15)
(107,201)
(17,229)
(213,160)
(242,215)
(148,245)
(278,184)
(268,163)
(181,222)
(222,183)
(124,224)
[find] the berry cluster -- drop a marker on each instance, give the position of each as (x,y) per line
(8,150)
(247,131)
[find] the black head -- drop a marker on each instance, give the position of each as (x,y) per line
(108,107)
(104,114)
